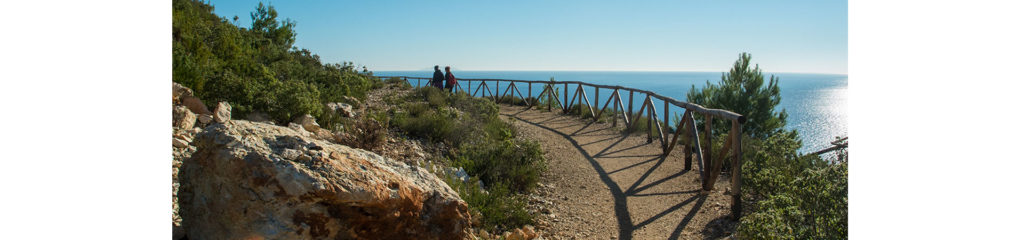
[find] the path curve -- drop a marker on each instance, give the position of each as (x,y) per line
(601,184)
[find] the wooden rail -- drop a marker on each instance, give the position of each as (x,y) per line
(709,166)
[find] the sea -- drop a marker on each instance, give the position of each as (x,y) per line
(816,103)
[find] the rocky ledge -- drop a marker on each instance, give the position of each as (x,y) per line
(249,180)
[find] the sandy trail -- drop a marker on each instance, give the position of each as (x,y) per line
(601,184)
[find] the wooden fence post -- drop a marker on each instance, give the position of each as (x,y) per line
(737,163)
(565,108)
(550,90)
(529,94)
(615,108)
(687,147)
(664,145)
(707,150)
(597,100)
(580,93)
(630,111)
(650,122)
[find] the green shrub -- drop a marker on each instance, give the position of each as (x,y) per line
(790,196)
(517,163)
(812,206)
(396,81)
(483,144)
(365,132)
(427,123)
(497,209)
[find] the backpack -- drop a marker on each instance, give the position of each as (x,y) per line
(450,78)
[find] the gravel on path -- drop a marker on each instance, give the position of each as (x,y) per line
(601,184)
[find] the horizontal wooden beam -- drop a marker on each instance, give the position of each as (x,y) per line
(726,114)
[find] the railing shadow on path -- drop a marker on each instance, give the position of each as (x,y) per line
(621,206)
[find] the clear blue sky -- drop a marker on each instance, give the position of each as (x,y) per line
(783,36)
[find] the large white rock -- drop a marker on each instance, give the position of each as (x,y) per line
(341,108)
(259,181)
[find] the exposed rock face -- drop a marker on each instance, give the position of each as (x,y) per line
(258,181)
(341,108)
(223,112)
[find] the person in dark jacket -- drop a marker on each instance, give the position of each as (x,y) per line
(438,80)
(449,78)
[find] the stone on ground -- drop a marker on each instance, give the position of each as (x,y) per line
(183,118)
(205,119)
(223,112)
(341,108)
(308,122)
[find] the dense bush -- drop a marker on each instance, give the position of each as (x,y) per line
(484,145)
(508,161)
(255,69)
(498,209)
(811,206)
(365,132)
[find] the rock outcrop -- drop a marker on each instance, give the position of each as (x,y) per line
(251,180)
(183,118)
(222,113)
(342,109)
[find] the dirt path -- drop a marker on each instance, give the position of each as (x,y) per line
(601,184)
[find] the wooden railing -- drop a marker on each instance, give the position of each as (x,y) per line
(709,167)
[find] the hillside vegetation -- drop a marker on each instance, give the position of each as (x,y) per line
(483,144)
(256,69)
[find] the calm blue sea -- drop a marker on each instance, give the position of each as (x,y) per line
(816,103)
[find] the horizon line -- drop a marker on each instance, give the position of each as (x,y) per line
(575,70)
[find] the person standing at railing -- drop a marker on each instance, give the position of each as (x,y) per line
(438,80)
(449,78)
